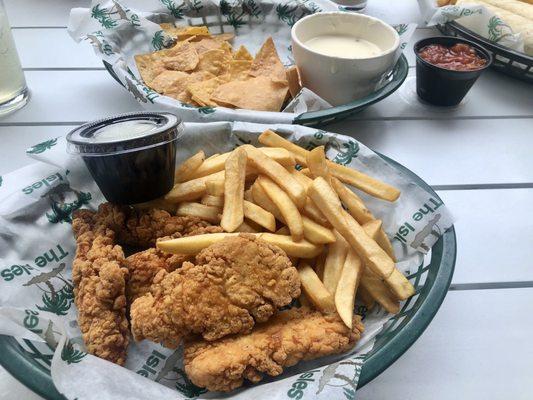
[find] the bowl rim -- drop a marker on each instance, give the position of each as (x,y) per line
(388,27)
(480,49)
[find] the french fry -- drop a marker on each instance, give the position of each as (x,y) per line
(235,175)
(372,228)
(316,162)
(214,187)
(186,170)
(301,249)
(316,233)
(278,174)
(285,205)
(215,164)
(396,281)
(194,244)
(262,200)
(284,230)
(328,202)
(334,263)
(245,227)
(212,156)
(363,182)
(310,209)
(191,190)
(350,176)
(272,139)
(314,289)
(306,172)
(366,298)
(379,291)
(347,287)
(208,213)
(214,201)
(319,265)
(353,202)
(260,216)
(375,231)
(313,231)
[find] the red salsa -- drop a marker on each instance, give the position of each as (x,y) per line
(459,57)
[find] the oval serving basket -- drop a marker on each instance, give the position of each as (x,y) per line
(30,362)
(118,34)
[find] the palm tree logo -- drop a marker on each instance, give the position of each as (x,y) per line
(61,209)
(57,301)
(349,384)
(42,147)
(345,151)
(171,372)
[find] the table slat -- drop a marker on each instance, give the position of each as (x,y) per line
(90,94)
(54,48)
(477,347)
(452,152)
(494,233)
(38,13)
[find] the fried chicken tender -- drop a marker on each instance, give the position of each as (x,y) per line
(99,283)
(144,266)
(141,228)
(234,281)
(287,338)
(100,270)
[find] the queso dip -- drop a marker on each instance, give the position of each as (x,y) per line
(344,46)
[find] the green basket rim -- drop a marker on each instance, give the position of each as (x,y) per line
(38,379)
(399,74)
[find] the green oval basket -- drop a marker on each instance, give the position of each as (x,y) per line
(30,367)
(315,118)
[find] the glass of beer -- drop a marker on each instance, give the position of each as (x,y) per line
(13,91)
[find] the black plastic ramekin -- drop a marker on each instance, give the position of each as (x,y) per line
(441,86)
(131,156)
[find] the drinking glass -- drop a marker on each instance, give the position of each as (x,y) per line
(13,90)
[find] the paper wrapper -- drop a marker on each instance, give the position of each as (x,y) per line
(477,18)
(119,30)
(37,247)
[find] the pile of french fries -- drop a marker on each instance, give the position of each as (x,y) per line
(338,246)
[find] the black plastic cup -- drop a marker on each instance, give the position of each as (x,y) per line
(445,87)
(131,156)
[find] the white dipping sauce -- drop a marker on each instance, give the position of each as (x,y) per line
(344,46)
(123,130)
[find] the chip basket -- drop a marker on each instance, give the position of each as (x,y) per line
(510,62)
(226,17)
(392,82)
(30,361)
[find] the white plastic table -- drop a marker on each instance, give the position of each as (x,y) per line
(479,158)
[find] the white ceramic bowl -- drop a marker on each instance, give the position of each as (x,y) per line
(341,80)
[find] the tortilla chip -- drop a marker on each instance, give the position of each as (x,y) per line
(225,36)
(174,83)
(184,32)
(239,69)
(267,62)
(294,81)
(259,93)
(214,61)
(201,91)
(181,57)
(148,67)
(242,54)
